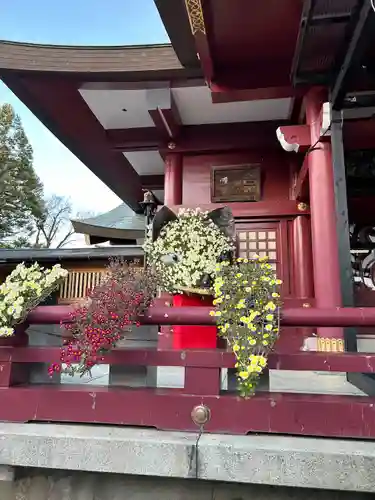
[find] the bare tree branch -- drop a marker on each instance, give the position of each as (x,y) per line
(53,226)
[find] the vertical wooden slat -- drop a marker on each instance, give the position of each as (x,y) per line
(79,283)
(84,285)
(76,286)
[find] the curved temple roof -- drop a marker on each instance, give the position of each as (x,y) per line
(80,59)
(119,223)
(53,82)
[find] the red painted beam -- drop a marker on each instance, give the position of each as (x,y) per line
(158,315)
(164,112)
(134,139)
(223,94)
(199,138)
(301,361)
(296,414)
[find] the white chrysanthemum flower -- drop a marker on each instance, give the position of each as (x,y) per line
(196,241)
(23,289)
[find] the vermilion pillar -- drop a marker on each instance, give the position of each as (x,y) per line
(302,260)
(173,179)
(326,266)
(172,196)
(302,266)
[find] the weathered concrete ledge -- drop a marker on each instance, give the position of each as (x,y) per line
(269,460)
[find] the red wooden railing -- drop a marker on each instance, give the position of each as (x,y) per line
(285,413)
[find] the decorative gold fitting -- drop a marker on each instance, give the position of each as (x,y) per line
(195,14)
(330,345)
(306,304)
(302,207)
(200,415)
(171,145)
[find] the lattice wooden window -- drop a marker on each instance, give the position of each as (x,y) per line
(262,242)
(78,283)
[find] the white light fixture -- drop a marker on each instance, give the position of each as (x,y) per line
(326,119)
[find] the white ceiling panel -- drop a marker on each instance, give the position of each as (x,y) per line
(146,162)
(196,107)
(119,108)
(129,108)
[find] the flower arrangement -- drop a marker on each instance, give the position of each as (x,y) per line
(247,304)
(23,290)
(112,309)
(186,247)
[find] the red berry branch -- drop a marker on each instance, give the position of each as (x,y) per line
(111,311)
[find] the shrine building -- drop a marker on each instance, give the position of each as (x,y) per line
(267,107)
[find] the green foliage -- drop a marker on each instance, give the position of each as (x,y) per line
(247,304)
(20,188)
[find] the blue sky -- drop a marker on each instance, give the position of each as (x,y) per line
(74,22)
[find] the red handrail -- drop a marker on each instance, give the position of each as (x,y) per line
(161,315)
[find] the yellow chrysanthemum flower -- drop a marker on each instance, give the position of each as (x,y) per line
(270,306)
(262,361)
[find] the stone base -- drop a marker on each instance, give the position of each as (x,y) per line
(276,461)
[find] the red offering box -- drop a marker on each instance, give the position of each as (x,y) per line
(193,336)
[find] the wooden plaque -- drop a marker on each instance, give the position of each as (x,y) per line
(236,183)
